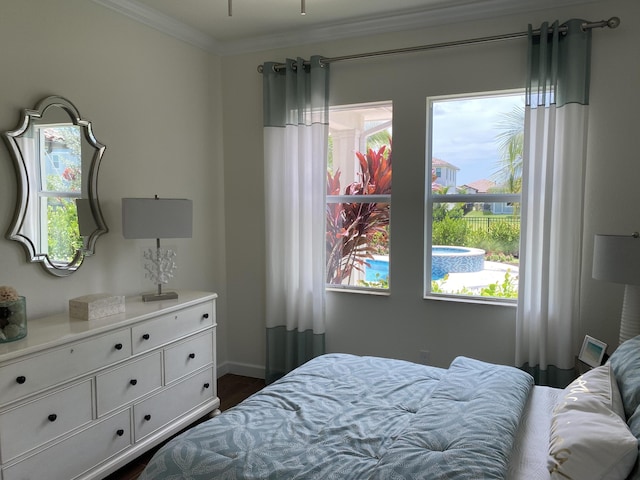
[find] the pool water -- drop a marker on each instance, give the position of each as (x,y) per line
(444,260)
(377,270)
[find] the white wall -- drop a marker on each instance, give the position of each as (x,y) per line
(403,323)
(155,103)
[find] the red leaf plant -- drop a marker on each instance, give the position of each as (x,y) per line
(352,226)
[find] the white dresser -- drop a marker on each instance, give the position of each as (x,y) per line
(79,399)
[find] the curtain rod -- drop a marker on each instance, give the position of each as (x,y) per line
(613,22)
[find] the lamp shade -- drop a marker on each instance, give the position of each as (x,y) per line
(157,218)
(616,258)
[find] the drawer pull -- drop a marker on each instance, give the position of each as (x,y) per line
(133,381)
(146,336)
(118,346)
(206,315)
(207,385)
(147,417)
(192,355)
(21,379)
(52,417)
(120,432)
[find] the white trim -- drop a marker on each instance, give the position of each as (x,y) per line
(415,19)
(373,198)
(164,23)
(244,369)
(477,198)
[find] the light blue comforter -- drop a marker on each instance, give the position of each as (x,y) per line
(348,417)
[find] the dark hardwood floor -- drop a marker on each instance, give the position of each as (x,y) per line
(232,389)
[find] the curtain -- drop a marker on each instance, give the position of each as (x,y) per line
(552,207)
(296,111)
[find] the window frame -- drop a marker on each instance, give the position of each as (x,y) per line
(431,198)
(43,194)
(363,199)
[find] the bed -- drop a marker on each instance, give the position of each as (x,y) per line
(343,416)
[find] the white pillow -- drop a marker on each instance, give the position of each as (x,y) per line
(589,438)
(599,382)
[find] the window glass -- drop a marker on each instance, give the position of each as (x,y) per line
(60,185)
(473,201)
(359,196)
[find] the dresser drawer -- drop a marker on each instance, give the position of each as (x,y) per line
(186,357)
(44,419)
(77,454)
(125,384)
(161,409)
(41,371)
(164,329)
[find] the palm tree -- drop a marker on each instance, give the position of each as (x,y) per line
(510,143)
(376,140)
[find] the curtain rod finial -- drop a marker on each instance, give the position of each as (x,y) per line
(613,22)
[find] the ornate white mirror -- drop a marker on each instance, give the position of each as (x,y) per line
(56,155)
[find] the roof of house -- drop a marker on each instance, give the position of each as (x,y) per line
(436,162)
(482,186)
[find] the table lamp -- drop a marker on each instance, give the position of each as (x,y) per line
(616,258)
(158,218)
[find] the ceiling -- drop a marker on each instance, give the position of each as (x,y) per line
(265,24)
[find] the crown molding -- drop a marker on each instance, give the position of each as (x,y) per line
(465,10)
(407,20)
(164,23)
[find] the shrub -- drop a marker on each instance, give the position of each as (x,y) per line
(507,235)
(379,282)
(449,231)
(506,289)
(63,233)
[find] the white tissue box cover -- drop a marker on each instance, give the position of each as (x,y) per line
(98,305)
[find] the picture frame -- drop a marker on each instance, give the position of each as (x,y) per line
(592,351)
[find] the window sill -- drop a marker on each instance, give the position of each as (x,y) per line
(475,300)
(381,292)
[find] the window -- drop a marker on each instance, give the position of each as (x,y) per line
(359,196)
(60,185)
(473,210)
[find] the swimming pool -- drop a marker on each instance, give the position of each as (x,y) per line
(444,259)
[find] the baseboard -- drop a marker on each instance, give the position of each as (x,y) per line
(244,369)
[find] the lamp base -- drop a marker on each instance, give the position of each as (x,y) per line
(152,297)
(630,319)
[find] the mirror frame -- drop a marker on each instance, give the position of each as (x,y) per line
(29,117)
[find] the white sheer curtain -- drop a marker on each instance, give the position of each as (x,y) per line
(295,150)
(552,206)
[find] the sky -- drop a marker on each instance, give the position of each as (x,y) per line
(465,131)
